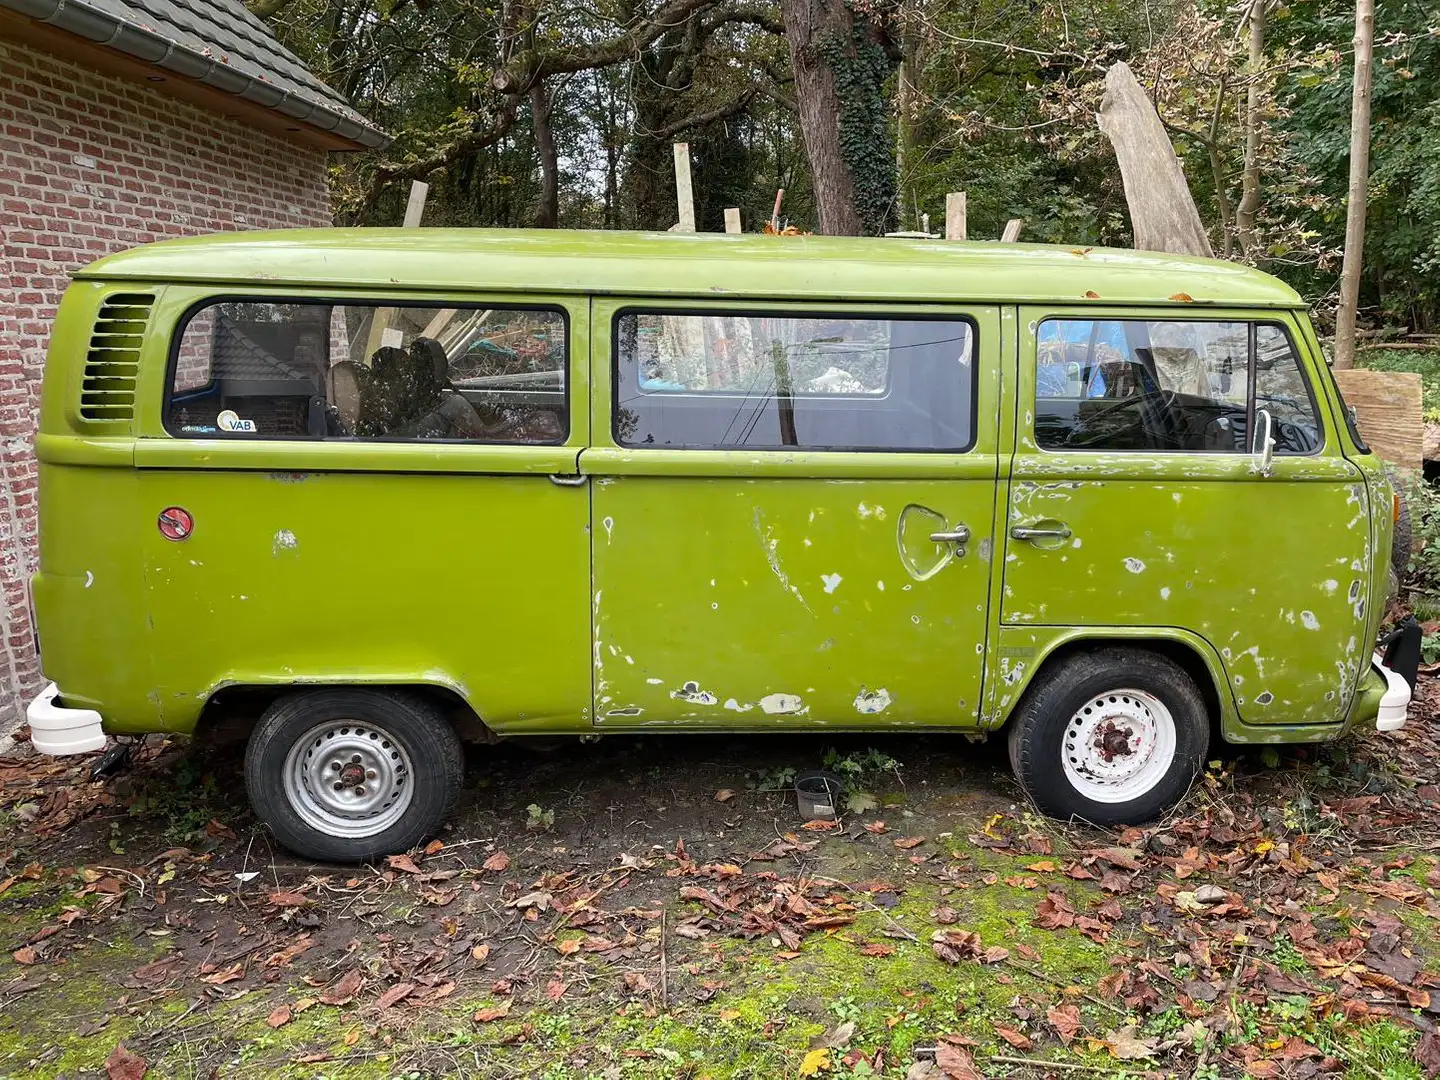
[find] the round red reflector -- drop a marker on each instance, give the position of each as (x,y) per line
(176,523)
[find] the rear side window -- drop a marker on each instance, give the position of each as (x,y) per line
(722,380)
(1163,385)
(306,370)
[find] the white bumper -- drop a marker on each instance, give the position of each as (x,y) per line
(1394,706)
(55,729)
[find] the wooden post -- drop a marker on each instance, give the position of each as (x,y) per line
(381,336)
(775,214)
(1012,230)
(684,192)
(955,216)
(732,219)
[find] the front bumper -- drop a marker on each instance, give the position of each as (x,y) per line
(54,729)
(1395,702)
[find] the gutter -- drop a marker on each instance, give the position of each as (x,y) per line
(142,43)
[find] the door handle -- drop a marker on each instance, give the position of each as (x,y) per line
(958,535)
(568,481)
(1031,532)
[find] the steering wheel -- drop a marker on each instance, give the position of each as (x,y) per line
(1153,419)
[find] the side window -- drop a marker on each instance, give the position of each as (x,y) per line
(719,380)
(1167,385)
(362,371)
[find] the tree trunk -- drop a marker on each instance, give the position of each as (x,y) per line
(1250,178)
(1359,183)
(907,109)
(844,122)
(547,211)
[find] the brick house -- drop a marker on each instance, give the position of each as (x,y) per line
(121,122)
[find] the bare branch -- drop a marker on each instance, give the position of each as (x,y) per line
(710,116)
(516,76)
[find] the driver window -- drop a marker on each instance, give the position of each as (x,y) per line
(1166,385)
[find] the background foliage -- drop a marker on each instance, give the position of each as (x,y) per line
(993,97)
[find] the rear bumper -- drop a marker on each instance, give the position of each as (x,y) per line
(1395,702)
(54,729)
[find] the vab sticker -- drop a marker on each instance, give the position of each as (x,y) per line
(176,523)
(230,421)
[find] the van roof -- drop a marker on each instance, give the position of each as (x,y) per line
(694,264)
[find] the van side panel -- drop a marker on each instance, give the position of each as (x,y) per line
(451,564)
(88,591)
(1274,572)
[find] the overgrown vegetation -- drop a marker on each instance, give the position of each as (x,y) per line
(1424,362)
(887,105)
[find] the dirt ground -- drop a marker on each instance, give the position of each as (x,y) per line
(646,908)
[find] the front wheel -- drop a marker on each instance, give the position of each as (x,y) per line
(1113,737)
(348,775)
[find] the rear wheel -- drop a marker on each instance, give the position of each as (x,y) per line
(348,775)
(1113,737)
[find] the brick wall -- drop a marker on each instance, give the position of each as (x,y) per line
(91,164)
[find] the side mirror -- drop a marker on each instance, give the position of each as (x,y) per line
(1263,446)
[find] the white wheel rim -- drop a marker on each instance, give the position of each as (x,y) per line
(1118,746)
(348,778)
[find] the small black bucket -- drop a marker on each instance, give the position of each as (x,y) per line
(818,794)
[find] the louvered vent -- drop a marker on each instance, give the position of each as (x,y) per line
(107,391)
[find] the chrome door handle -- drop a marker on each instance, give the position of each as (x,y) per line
(1031,532)
(568,481)
(958,535)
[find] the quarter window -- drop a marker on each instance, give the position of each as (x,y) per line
(1161,385)
(363,371)
(721,380)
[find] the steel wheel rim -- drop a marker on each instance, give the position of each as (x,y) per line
(349,778)
(1118,745)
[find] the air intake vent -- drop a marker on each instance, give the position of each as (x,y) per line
(107,391)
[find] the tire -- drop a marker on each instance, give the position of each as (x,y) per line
(1107,781)
(399,744)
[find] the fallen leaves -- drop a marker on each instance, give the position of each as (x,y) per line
(724,795)
(497,863)
(490,1013)
(392,997)
(343,992)
(1065,1019)
(905,843)
(282,899)
(403,863)
(958,946)
(281,1016)
(25,955)
(124,1065)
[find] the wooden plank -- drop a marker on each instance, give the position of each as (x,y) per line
(954,216)
(732,219)
(1012,230)
(1388,411)
(684,193)
(1162,210)
(380,335)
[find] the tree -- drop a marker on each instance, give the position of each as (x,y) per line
(1359,182)
(842,55)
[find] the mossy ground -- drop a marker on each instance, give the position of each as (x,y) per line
(717,1005)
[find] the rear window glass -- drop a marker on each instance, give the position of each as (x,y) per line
(306,370)
(720,380)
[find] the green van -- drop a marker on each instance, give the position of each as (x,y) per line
(378,491)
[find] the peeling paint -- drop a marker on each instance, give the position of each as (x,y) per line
(284,541)
(1134,565)
(1165,593)
(1309,621)
(782,704)
(870,702)
(691,692)
(832,582)
(89,579)
(735,706)
(609,524)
